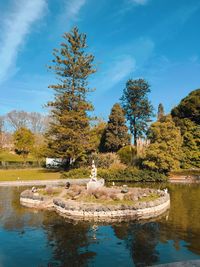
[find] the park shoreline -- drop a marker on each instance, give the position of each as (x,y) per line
(79,181)
(44,182)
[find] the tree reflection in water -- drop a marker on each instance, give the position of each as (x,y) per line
(69,241)
(141,240)
(182,223)
(64,243)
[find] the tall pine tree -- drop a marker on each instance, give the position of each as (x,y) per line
(68,135)
(116,134)
(138,108)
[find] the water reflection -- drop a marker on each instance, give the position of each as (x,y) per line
(45,239)
(69,241)
(141,240)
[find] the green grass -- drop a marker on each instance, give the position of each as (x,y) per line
(8,156)
(92,199)
(151,197)
(28,174)
(186,172)
(52,192)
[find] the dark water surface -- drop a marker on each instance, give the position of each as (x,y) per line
(39,239)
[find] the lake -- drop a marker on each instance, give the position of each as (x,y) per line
(30,238)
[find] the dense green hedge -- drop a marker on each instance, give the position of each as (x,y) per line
(131,175)
(76,173)
(128,175)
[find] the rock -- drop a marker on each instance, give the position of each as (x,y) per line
(94,185)
(62,205)
(119,196)
(134,198)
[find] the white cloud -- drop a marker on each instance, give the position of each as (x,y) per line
(69,14)
(16,26)
(122,68)
(119,69)
(72,9)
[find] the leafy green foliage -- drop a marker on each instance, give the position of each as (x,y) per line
(76,173)
(126,175)
(187,116)
(96,133)
(138,108)
(189,107)
(68,135)
(23,141)
(116,134)
(127,155)
(105,160)
(164,153)
(191,143)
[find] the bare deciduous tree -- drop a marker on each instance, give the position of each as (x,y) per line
(34,121)
(38,123)
(17,119)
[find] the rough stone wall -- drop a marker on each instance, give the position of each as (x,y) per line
(143,210)
(78,210)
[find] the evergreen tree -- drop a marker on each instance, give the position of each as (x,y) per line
(68,135)
(161,112)
(190,132)
(189,107)
(96,133)
(138,108)
(164,152)
(116,134)
(191,145)
(187,116)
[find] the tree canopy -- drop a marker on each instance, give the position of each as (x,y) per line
(189,107)
(164,152)
(23,141)
(138,108)
(116,134)
(68,135)
(187,116)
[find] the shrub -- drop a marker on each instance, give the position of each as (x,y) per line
(105,160)
(117,166)
(76,173)
(131,175)
(127,155)
(120,175)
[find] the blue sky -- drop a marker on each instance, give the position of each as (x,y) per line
(158,40)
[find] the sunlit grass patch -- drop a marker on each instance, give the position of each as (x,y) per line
(28,174)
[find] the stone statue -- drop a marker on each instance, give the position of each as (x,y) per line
(94,183)
(93,176)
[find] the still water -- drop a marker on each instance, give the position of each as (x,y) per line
(43,239)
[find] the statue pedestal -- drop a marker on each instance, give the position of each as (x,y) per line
(95,184)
